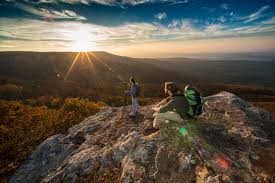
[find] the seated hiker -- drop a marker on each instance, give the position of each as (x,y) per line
(173,108)
(134,92)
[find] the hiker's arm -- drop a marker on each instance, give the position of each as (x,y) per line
(167,107)
(163,102)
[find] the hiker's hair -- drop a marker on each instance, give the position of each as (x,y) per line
(132,80)
(171,86)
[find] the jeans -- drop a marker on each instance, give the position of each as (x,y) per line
(134,105)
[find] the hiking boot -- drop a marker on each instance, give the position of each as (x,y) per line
(132,115)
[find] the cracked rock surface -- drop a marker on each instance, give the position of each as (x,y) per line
(232,141)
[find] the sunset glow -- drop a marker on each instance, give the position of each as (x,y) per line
(166,28)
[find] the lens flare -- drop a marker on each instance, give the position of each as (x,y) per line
(107,66)
(84,56)
(90,62)
(222,161)
(183,131)
(74,62)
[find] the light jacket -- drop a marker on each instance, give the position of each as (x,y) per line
(134,89)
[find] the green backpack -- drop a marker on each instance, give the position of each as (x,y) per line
(195,101)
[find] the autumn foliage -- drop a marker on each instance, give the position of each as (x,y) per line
(23,127)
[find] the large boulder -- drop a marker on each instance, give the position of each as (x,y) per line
(225,144)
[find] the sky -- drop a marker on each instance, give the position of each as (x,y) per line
(138,28)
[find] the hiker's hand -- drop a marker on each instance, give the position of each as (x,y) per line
(156,109)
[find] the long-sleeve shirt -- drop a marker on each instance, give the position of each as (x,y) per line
(177,103)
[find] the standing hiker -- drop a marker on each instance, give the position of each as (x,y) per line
(134,92)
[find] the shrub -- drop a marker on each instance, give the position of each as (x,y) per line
(31,102)
(52,102)
(81,107)
(23,127)
(10,91)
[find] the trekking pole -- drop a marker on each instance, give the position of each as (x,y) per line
(124,107)
(124,103)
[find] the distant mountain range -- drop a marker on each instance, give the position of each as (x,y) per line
(49,65)
(250,56)
(52,67)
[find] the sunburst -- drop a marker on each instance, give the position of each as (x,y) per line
(84,56)
(82,45)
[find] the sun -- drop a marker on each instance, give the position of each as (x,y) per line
(82,44)
(82,41)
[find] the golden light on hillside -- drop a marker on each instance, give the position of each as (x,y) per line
(90,58)
(84,57)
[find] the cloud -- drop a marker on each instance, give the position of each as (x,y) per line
(160,16)
(270,21)
(179,2)
(48,34)
(121,3)
(214,28)
(180,24)
(49,13)
(222,19)
(38,30)
(225,6)
(256,15)
(65,1)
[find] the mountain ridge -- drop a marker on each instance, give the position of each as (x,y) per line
(49,65)
(45,65)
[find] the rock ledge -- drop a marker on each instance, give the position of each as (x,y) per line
(107,148)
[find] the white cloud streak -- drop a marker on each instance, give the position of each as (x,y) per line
(160,16)
(222,19)
(225,6)
(256,15)
(114,2)
(49,13)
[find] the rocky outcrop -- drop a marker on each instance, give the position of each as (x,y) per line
(223,145)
